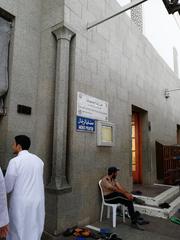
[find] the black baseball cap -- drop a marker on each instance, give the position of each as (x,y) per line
(112,170)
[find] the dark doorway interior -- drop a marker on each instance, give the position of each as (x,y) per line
(178,134)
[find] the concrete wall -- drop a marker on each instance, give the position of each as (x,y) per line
(24,71)
(113,62)
(116,63)
(52,14)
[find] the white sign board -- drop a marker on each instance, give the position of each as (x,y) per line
(91,107)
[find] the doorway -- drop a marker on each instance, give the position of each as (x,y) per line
(178,134)
(136,147)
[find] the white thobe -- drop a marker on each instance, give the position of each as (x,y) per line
(24,180)
(4,219)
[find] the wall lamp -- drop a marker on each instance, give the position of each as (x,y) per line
(167,92)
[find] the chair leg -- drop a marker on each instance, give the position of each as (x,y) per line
(114,216)
(108,211)
(101,215)
(123,212)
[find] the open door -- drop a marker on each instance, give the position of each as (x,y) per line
(178,134)
(136,148)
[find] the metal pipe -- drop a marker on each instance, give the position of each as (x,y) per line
(173,90)
(123,9)
(167,92)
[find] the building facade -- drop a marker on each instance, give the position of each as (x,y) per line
(52,57)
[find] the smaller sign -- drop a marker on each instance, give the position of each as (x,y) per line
(105,134)
(85,124)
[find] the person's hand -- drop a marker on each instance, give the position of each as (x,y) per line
(129,196)
(4,231)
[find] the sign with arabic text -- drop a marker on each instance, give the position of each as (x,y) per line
(85,124)
(91,107)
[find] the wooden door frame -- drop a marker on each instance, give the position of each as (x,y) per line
(137,176)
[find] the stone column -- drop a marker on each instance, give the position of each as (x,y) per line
(59,179)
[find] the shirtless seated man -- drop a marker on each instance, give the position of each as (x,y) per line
(115,193)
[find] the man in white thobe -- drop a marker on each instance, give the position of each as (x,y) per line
(4,219)
(24,182)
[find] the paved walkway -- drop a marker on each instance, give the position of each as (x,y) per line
(158,229)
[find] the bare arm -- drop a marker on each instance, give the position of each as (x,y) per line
(121,189)
(4,231)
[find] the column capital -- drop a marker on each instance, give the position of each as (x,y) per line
(62,32)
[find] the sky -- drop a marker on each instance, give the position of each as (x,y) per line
(161,29)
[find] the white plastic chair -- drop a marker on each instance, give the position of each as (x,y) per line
(109,205)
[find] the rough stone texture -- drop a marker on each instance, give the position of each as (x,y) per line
(113,62)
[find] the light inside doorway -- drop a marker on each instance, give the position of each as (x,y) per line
(136,139)
(133,144)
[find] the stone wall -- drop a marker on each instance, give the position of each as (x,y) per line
(24,72)
(113,62)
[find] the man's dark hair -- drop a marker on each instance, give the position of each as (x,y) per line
(23,141)
(112,170)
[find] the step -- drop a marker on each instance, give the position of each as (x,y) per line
(175,205)
(151,208)
(158,212)
(151,211)
(165,196)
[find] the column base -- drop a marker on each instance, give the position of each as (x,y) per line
(48,236)
(58,186)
